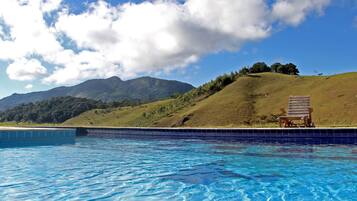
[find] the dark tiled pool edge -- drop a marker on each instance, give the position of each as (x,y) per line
(296,135)
(58,136)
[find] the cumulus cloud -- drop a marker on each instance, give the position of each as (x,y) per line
(28,33)
(86,64)
(25,70)
(293,12)
(29,86)
(50,5)
(165,35)
(130,39)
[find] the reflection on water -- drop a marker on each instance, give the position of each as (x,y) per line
(295,150)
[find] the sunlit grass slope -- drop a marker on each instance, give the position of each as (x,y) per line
(28,124)
(125,116)
(253,100)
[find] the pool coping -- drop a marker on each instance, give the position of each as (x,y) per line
(169,128)
(12,128)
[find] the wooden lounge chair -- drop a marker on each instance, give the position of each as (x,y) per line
(299,110)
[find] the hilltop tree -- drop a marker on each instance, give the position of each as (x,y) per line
(259,67)
(290,68)
(244,71)
(276,67)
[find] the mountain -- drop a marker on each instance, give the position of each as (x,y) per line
(251,101)
(144,89)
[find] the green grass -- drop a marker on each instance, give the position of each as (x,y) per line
(25,124)
(125,116)
(251,101)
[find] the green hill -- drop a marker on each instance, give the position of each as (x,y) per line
(253,100)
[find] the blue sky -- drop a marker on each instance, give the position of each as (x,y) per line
(323,42)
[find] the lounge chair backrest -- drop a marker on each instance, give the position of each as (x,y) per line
(299,106)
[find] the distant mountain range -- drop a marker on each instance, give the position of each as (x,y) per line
(143,89)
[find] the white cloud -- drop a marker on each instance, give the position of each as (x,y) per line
(163,35)
(25,70)
(86,64)
(29,33)
(2,32)
(130,39)
(50,5)
(29,86)
(293,12)
(243,19)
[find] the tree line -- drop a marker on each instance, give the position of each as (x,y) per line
(261,67)
(57,110)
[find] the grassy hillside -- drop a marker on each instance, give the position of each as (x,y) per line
(125,116)
(253,100)
(27,124)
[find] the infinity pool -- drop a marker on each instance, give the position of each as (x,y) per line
(120,169)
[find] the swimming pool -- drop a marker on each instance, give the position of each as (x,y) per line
(123,169)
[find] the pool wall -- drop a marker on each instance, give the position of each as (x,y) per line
(294,135)
(15,137)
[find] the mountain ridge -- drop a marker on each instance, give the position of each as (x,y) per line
(144,89)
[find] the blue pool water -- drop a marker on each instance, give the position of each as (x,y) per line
(120,169)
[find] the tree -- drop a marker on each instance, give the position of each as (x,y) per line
(244,71)
(259,67)
(275,67)
(292,69)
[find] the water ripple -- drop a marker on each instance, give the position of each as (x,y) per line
(119,169)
